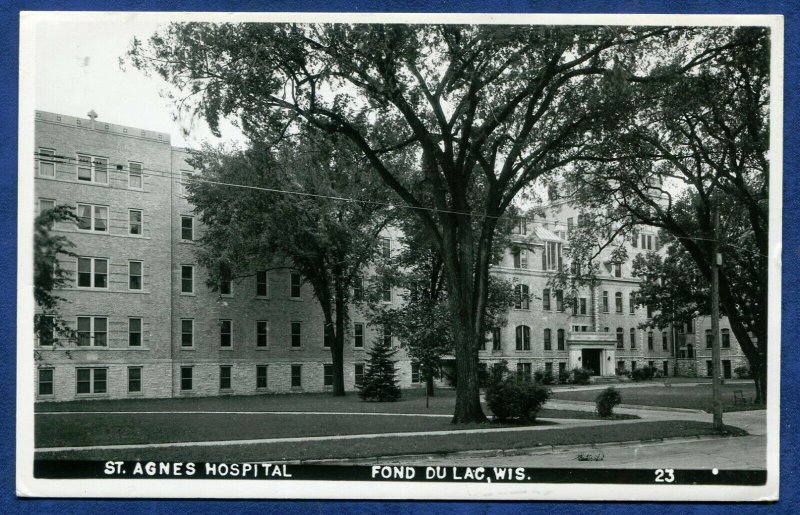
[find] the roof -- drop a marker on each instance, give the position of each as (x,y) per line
(546,235)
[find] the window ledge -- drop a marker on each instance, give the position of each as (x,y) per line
(297,348)
(262,348)
(184,294)
(226,348)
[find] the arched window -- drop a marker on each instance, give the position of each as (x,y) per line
(618,302)
(547,343)
(633,338)
(664,340)
(560,335)
(620,342)
(605,302)
(523,337)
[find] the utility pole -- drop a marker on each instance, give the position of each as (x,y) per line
(715,345)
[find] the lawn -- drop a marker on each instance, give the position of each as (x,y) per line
(398,446)
(690,397)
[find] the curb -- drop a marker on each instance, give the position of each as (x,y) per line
(493,453)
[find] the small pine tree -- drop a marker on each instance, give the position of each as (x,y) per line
(379,382)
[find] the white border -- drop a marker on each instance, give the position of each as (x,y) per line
(28,486)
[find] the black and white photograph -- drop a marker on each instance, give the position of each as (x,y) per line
(399,256)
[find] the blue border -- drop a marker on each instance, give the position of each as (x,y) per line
(9,65)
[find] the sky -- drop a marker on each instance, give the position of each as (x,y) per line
(76,69)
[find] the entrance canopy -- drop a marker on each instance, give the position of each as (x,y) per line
(591,339)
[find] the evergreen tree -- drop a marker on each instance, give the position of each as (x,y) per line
(379,382)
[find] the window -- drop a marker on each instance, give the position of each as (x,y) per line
(187,228)
(134,379)
(562,367)
(618,302)
(726,368)
(186,378)
(709,339)
(647,241)
(546,299)
(45,381)
(415,372)
(135,222)
(620,336)
(522,300)
(294,285)
(520,226)
(327,336)
(633,338)
(386,335)
(135,175)
(690,326)
(617,270)
(548,367)
(358,372)
(358,335)
(297,376)
(327,374)
(91,380)
(632,304)
(261,377)
(551,258)
(582,303)
(92,331)
(709,368)
(46,328)
(559,300)
(261,283)
(134,275)
(134,332)
(92,169)
(262,333)
(225,377)
(92,218)
(634,238)
(520,258)
(225,333)
(523,334)
(620,365)
(46,204)
(570,225)
(296,335)
(386,291)
(650,340)
(496,343)
(187,332)
(358,288)
(664,340)
(690,351)
(633,366)
(726,338)
(47,165)
(187,278)
(560,339)
(548,345)
(649,311)
(386,248)
(524,371)
(92,273)
(605,302)
(225,281)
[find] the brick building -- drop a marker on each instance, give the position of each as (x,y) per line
(148,326)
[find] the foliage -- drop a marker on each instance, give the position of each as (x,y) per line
(49,275)
(544,377)
(261,226)
(475,114)
(512,398)
(643,373)
(563,376)
(380,381)
(607,400)
(742,372)
(622,372)
(581,375)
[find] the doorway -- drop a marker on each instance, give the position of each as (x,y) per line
(591,360)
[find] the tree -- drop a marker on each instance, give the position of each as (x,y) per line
(684,144)
(379,382)
(49,275)
(485,110)
(278,206)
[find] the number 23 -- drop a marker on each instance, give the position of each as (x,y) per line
(665,475)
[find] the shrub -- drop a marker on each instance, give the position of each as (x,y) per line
(544,377)
(643,373)
(581,375)
(563,376)
(743,372)
(514,399)
(380,382)
(622,372)
(606,400)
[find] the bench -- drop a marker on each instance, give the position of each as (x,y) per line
(739,398)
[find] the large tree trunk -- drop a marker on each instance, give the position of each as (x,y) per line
(337,346)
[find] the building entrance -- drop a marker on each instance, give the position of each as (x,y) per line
(591,360)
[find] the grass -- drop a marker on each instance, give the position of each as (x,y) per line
(690,397)
(394,446)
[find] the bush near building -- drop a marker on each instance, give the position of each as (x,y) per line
(514,398)
(581,375)
(607,400)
